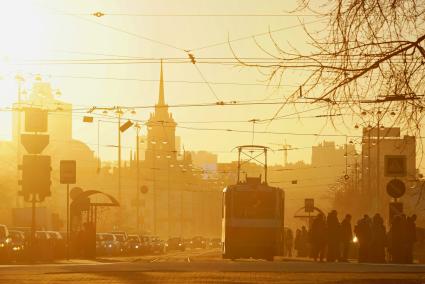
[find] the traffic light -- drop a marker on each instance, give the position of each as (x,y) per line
(36,171)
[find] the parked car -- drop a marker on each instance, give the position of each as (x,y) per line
(5,243)
(134,244)
(198,242)
(146,244)
(157,245)
(18,245)
(175,244)
(121,237)
(214,243)
(109,245)
(57,243)
(43,245)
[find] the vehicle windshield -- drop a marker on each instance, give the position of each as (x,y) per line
(3,232)
(133,238)
(120,238)
(254,204)
(16,236)
(108,237)
(174,240)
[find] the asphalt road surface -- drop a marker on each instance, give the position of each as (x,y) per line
(206,266)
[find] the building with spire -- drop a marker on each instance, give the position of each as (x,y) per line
(176,203)
(161,138)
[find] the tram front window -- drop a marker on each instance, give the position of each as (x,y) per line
(254,205)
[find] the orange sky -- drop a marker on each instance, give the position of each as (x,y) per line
(64,30)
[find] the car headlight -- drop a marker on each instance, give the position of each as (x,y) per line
(1,245)
(137,246)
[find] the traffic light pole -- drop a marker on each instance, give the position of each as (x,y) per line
(67,223)
(33,228)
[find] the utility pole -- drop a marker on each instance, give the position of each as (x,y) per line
(377,164)
(137,126)
(119,113)
(20,80)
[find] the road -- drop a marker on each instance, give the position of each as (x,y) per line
(206,266)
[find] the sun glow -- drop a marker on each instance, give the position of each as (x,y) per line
(22,29)
(22,37)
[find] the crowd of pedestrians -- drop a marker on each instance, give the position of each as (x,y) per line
(329,239)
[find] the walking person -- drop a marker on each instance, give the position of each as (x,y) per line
(333,234)
(377,247)
(363,233)
(289,241)
(410,237)
(318,237)
(346,236)
(297,242)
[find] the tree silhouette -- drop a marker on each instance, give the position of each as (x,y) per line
(369,56)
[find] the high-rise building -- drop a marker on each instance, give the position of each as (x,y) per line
(161,137)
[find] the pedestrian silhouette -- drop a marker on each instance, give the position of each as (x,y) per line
(318,237)
(333,233)
(346,237)
(363,231)
(377,249)
(410,237)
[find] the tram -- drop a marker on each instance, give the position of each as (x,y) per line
(252,214)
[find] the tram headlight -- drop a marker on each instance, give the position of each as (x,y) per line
(355,240)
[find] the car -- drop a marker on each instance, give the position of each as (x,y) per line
(146,244)
(108,244)
(198,242)
(214,243)
(18,244)
(175,244)
(121,237)
(57,243)
(5,243)
(43,245)
(157,245)
(134,244)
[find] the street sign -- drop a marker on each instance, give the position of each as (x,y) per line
(126,125)
(36,170)
(34,143)
(395,165)
(309,205)
(68,169)
(396,188)
(35,120)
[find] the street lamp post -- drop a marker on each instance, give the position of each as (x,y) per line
(137,126)
(154,188)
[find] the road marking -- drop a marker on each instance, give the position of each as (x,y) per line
(188,259)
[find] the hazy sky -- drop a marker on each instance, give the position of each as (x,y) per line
(64,30)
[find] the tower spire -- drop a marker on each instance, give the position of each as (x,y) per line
(161,99)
